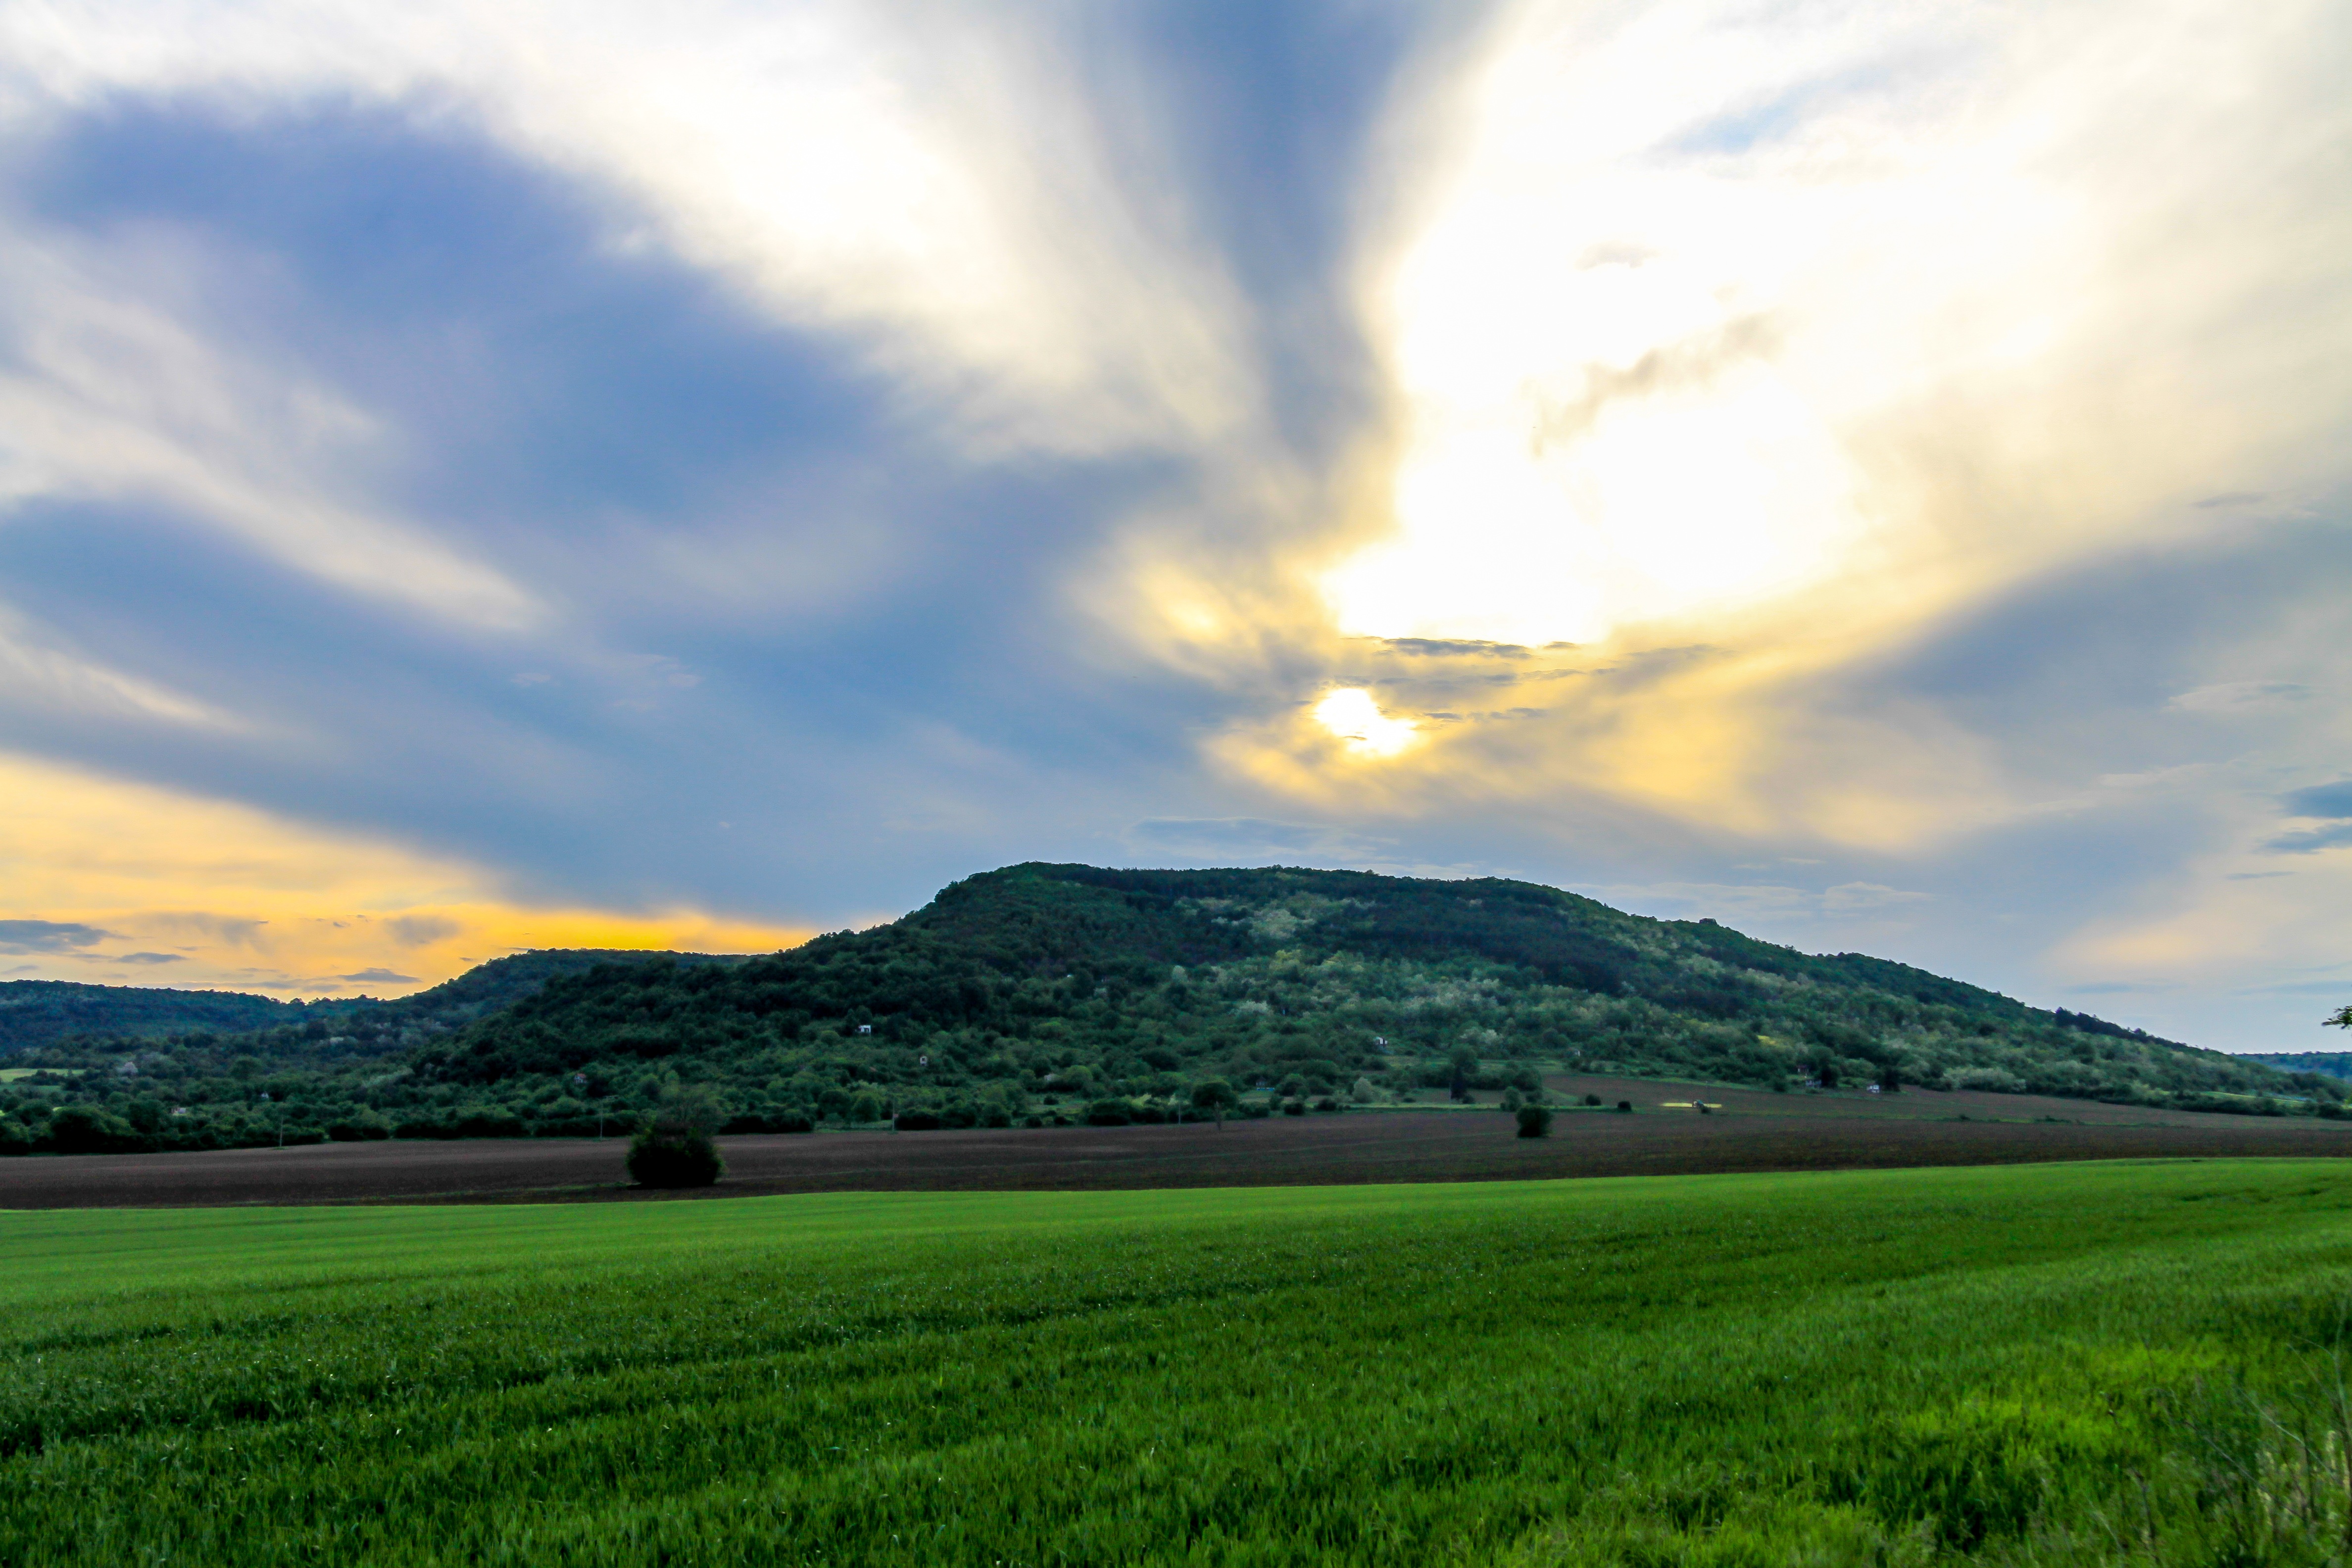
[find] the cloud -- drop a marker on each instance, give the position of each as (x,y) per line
(419,930)
(150,958)
(2241,697)
(1245,840)
(2230,498)
(2311,841)
(114,394)
(379,976)
(1734,902)
(2329,800)
(22,936)
(931,180)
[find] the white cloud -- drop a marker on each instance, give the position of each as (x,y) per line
(108,392)
(925,175)
(1805,320)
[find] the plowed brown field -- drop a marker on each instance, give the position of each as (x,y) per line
(1752,1132)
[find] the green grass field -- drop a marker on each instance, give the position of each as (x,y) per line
(2087,1363)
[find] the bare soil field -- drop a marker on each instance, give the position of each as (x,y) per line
(1751,1130)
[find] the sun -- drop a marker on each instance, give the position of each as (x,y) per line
(1352,715)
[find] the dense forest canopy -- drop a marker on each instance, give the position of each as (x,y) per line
(42,1011)
(1045,991)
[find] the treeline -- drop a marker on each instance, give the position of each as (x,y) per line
(1047,992)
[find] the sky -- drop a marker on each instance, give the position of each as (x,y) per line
(481,476)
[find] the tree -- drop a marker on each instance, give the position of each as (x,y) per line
(1535,1121)
(674,1148)
(2341,1019)
(1214,1094)
(1890,1078)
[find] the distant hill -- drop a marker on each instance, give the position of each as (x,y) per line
(42,1012)
(1046,991)
(2335,1064)
(1040,976)
(35,1013)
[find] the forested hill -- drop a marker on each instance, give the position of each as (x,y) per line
(1050,992)
(1044,979)
(105,1018)
(40,1012)
(2335,1064)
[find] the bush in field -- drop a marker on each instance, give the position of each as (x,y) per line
(1109,1114)
(85,1130)
(1535,1121)
(1592,1099)
(1512,1100)
(1890,1078)
(916,1122)
(1626,1106)
(674,1148)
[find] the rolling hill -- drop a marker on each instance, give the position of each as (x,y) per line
(1040,989)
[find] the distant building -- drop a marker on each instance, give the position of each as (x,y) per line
(865,1028)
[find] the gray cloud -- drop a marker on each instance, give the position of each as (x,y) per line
(2311,841)
(47,936)
(1694,362)
(380,977)
(149,958)
(1252,840)
(420,930)
(2241,697)
(2329,800)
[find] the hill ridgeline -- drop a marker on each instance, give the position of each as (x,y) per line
(1049,992)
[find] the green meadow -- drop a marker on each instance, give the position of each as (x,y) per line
(2049,1364)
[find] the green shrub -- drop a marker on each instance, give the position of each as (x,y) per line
(1626,1106)
(1535,1121)
(1592,1099)
(674,1148)
(85,1130)
(1109,1114)
(916,1122)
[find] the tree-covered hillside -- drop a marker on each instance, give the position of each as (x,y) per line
(1043,991)
(42,1011)
(2335,1064)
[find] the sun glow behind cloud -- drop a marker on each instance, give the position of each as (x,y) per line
(1356,718)
(1698,312)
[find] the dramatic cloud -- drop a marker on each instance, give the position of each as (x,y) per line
(493,475)
(47,936)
